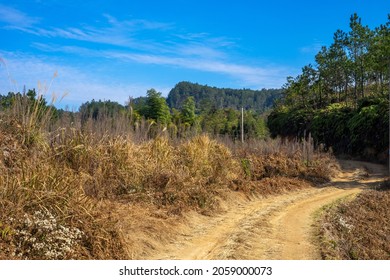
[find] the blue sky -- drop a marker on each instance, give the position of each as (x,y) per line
(116,49)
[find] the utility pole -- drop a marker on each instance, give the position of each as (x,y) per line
(242,124)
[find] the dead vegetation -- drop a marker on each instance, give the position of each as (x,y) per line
(65,192)
(358,229)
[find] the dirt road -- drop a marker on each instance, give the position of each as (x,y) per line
(278,227)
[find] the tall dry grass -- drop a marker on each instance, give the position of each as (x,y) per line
(45,212)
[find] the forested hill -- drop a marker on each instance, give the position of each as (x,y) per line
(207,97)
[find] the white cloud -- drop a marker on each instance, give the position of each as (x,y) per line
(130,34)
(113,32)
(137,39)
(247,75)
(15,18)
(267,76)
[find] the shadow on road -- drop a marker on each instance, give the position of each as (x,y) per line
(359,174)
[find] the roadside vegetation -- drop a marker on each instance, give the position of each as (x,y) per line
(342,100)
(63,185)
(358,229)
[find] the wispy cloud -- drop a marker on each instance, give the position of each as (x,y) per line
(111,32)
(136,24)
(134,34)
(145,42)
(13,18)
(254,76)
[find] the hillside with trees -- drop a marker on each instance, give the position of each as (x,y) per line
(341,100)
(188,110)
(206,97)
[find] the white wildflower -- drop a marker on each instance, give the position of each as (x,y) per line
(42,236)
(344,223)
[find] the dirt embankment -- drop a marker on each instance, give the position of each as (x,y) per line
(277,227)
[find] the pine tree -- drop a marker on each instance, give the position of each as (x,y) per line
(188,111)
(157,108)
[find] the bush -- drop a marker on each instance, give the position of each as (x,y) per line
(369,127)
(361,131)
(330,127)
(289,122)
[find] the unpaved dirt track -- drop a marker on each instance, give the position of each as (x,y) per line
(278,227)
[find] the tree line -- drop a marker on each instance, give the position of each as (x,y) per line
(188,110)
(341,100)
(206,97)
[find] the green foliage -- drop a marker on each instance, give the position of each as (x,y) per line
(100,109)
(188,111)
(228,122)
(216,121)
(353,67)
(254,126)
(287,122)
(6,101)
(207,97)
(369,128)
(330,126)
(157,108)
(139,105)
(359,131)
(246,166)
(5,231)
(342,100)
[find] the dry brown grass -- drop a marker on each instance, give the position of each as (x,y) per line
(44,210)
(358,229)
(72,184)
(43,200)
(282,165)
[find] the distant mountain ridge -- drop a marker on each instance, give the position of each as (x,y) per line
(206,96)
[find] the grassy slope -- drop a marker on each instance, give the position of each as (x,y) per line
(358,229)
